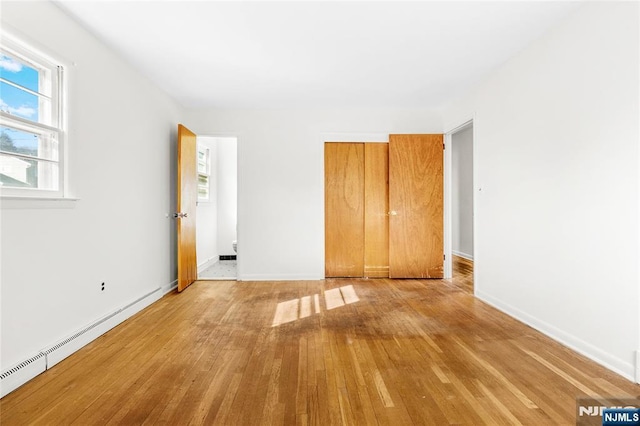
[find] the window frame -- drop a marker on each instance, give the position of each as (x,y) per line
(207,172)
(40,61)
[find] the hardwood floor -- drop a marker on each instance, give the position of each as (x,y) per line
(340,351)
(463,273)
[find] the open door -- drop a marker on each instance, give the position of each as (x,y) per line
(186,215)
(416,243)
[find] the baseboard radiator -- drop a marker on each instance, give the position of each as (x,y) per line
(19,374)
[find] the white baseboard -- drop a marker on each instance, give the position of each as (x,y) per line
(21,373)
(605,359)
(73,343)
(463,255)
(62,349)
(169,287)
(26,370)
(279,277)
(638,366)
(207,263)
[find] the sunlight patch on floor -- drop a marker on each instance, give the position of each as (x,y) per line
(294,309)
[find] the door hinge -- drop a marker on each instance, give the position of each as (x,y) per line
(444,256)
(443,147)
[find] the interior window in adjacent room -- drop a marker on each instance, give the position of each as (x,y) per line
(204,173)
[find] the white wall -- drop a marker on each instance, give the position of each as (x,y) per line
(227,189)
(556,150)
(122,133)
(462,193)
(207,213)
(281,179)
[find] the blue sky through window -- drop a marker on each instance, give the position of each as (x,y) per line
(19,102)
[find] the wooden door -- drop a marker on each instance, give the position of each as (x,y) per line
(187,198)
(376,200)
(344,209)
(416,248)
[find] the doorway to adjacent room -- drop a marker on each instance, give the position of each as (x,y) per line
(460,194)
(216,218)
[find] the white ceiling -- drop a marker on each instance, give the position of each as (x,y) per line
(320,54)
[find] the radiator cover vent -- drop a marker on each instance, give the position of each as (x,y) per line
(79,333)
(21,365)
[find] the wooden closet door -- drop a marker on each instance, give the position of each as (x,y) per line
(416,227)
(376,220)
(344,209)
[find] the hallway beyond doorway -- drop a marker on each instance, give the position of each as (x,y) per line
(221,270)
(463,273)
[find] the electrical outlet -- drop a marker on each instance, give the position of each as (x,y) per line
(102,287)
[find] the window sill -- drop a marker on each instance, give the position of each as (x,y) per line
(15,202)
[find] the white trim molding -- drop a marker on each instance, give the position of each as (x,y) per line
(207,263)
(617,365)
(447,210)
(461,254)
(280,277)
(354,137)
(20,373)
(22,203)
(168,288)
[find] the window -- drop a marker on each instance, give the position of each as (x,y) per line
(204,171)
(31,131)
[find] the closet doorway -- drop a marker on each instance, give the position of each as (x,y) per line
(356,207)
(384,208)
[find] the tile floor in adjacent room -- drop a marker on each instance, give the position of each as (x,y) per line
(221,270)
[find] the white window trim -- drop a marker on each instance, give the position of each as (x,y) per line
(25,52)
(207,172)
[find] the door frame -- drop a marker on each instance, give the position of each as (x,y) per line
(347,138)
(238,190)
(448,133)
(448,164)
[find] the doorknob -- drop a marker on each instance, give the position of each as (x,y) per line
(180,215)
(393,213)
